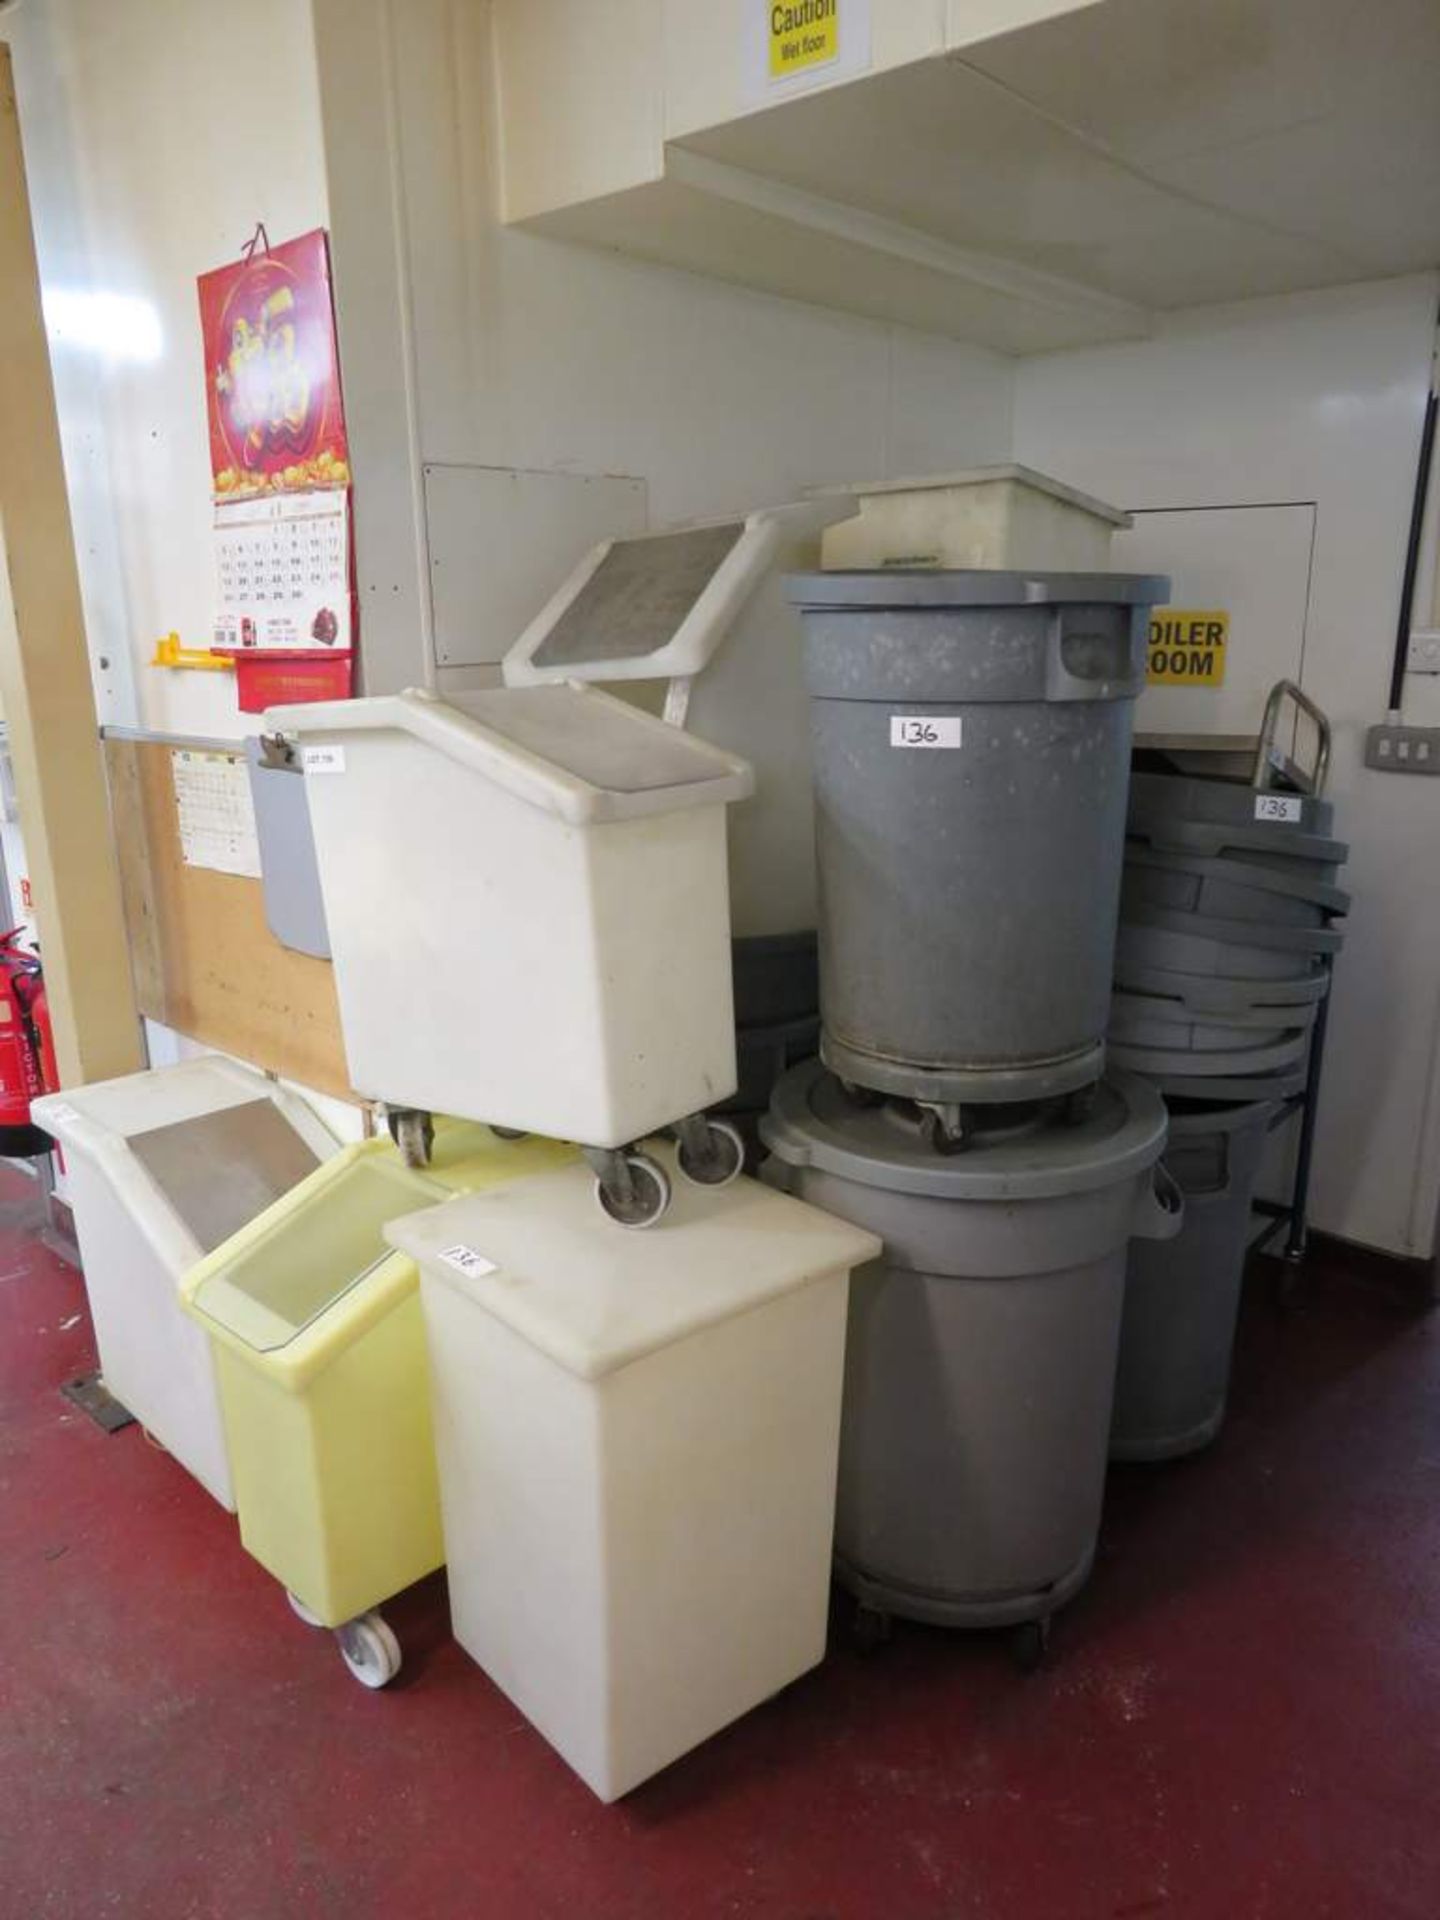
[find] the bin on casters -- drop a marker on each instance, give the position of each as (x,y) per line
(320,1355)
(971,733)
(553,953)
(980,1357)
(702,612)
(163,1166)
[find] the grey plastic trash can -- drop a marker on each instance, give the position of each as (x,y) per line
(980,1358)
(971,738)
(1182,1299)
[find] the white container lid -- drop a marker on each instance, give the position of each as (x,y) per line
(541,1257)
(140,1102)
(657,606)
(571,751)
(987,476)
(195,1150)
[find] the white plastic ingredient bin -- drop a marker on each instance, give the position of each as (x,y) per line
(704,608)
(1009,517)
(526,896)
(637,1440)
(164,1167)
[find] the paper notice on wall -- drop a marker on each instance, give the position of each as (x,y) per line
(217,816)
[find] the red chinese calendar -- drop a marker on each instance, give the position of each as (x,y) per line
(272,372)
(284,606)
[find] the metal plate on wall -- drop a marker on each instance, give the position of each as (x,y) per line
(504,539)
(219,1171)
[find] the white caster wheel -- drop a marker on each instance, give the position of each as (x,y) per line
(369,1649)
(301,1611)
(647,1199)
(721,1160)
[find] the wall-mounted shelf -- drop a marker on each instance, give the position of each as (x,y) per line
(1053,184)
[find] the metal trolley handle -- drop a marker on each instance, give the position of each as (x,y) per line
(1268,756)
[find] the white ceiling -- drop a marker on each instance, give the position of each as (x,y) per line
(1168,152)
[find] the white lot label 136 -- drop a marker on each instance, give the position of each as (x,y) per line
(466,1260)
(914,730)
(1277,806)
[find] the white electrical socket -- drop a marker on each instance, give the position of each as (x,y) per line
(1424,652)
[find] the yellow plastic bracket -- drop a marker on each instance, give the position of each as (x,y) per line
(170,653)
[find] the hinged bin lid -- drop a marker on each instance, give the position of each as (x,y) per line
(658,605)
(302,1282)
(195,1150)
(572,751)
(911,589)
(541,1257)
(1013,475)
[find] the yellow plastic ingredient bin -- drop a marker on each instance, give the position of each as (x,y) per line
(319,1350)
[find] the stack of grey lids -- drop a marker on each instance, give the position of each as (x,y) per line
(1227,924)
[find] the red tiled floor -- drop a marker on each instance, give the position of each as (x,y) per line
(1241,1720)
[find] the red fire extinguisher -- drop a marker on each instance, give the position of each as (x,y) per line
(27,1047)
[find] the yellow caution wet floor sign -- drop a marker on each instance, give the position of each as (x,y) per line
(803,33)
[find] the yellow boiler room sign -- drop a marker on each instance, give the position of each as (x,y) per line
(1187,647)
(803,33)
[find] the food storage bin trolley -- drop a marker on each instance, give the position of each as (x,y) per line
(702,612)
(320,1356)
(163,1166)
(526,895)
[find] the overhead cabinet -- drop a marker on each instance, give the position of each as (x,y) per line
(1028,174)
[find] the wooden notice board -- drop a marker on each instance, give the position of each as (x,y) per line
(205,962)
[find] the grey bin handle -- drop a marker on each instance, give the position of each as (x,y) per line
(1215,1189)
(1160,1213)
(1081,664)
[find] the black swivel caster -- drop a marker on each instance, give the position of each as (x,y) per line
(870,1628)
(1030,1644)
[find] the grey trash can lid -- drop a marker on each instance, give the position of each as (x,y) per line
(1217,995)
(1234,933)
(1199,1122)
(1210,840)
(896,587)
(1128,1009)
(813,1123)
(1282,1085)
(1290,885)
(1230,803)
(1273,1057)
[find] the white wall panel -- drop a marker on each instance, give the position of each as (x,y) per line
(155,137)
(1316,397)
(529,353)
